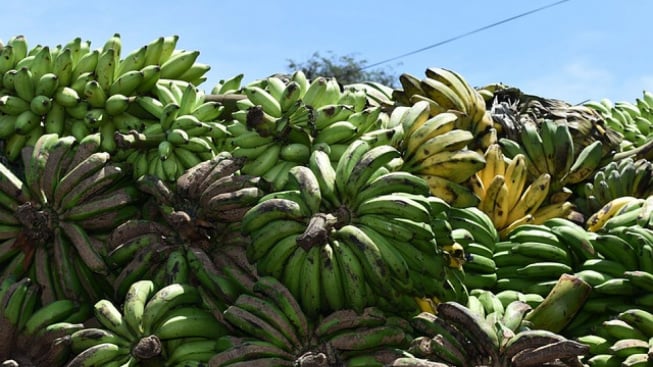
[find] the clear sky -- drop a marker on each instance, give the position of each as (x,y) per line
(578,50)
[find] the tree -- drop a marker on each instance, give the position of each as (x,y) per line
(346,69)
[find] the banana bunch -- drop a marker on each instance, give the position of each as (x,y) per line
(548,148)
(627,177)
(624,340)
(207,201)
(512,109)
(446,90)
(473,230)
(55,219)
(466,336)
(183,130)
(434,148)
(632,120)
(161,327)
(77,90)
(338,236)
(377,94)
(270,327)
(347,337)
(281,121)
(33,333)
(621,211)
(509,198)
(533,257)
(144,249)
(623,262)
(222,275)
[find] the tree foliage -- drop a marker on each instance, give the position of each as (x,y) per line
(346,69)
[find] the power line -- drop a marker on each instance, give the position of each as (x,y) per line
(468,33)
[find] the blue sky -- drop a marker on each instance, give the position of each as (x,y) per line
(581,49)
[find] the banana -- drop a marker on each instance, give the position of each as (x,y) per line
(449,141)
(395,181)
(352,276)
(542,251)
(472,325)
(366,167)
(255,326)
(89,337)
(574,237)
(368,338)
(443,95)
(613,247)
(638,318)
(268,210)
(199,351)
(367,253)
(24,83)
(99,355)
(251,351)
(597,220)
(111,318)
(49,314)
(165,299)
(89,165)
(134,304)
(189,322)
(532,197)
(345,165)
(586,163)
(396,205)
(337,133)
(457,166)
(263,98)
(177,64)
(273,289)
(310,293)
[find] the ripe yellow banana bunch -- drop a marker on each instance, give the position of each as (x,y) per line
(445,90)
(435,149)
(505,196)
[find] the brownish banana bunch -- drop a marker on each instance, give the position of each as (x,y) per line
(54,221)
(446,90)
(436,149)
(196,223)
(509,198)
(208,200)
(512,109)
(460,336)
(33,333)
(271,328)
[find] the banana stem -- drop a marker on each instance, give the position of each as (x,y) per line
(642,151)
(317,231)
(147,350)
(227,100)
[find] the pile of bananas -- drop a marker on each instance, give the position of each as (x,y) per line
(297,222)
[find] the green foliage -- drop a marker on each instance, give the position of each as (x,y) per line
(346,69)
